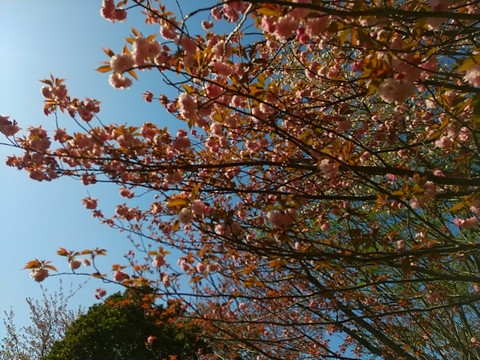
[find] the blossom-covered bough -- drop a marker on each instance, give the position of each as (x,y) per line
(324,192)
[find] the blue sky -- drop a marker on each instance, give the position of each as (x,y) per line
(63,38)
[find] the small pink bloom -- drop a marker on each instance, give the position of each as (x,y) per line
(39,274)
(280,218)
(7,127)
(185,216)
(151,339)
(47,92)
(126,193)
(285,26)
(119,276)
(199,207)
(121,63)
(158,261)
(119,15)
(119,82)
(213,91)
(167,32)
(207,24)
(188,106)
(99,293)
(38,175)
(188,44)
(166,280)
(395,91)
(213,267)
(325,226)
(85,114)
(184,265)
(74,264)
(201,267)
(181,143)
(316,26)
(472,75)
(148,96)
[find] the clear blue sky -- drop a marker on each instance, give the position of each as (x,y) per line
(63,38)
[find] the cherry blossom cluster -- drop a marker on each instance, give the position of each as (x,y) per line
(8,127)
(110,12)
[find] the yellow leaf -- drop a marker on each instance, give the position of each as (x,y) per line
(51,267)
(457,207)
(277,263)
(176,225)
(104,68)
(195,191)
(468,63)
(134,74)
(343,35)
(34,264)
(151,37)
(62,252)
(109,52)
(188,89)
(177,200)
(267,10)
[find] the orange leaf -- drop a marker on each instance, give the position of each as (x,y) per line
(104,68)
(34,264)
(108,52)
(135,32)
(134,74)
(62,252)
(51,267)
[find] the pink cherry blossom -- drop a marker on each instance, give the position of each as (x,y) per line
(166,280)
(188,106)
(184,265)
(7,127)
(37,175)
(281,218)
(86,262)
(181,143)
(111,13)
(100,293)
(185,216)
(188,44)
(145,50)
(121,63)
(151,339)
(213,91)
(90,203)
(39,274)
(200,208)
(158,261)
(285,26)
(466,223)
(119,82)
(472,75)
(168,32)
(148,96)
(206,25)
(200,267)
(316,26)
(395,91)
(213,267)
(74,264)
(120,276)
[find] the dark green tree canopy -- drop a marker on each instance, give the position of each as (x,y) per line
(119,329)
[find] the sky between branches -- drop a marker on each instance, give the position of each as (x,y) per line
(63,38)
